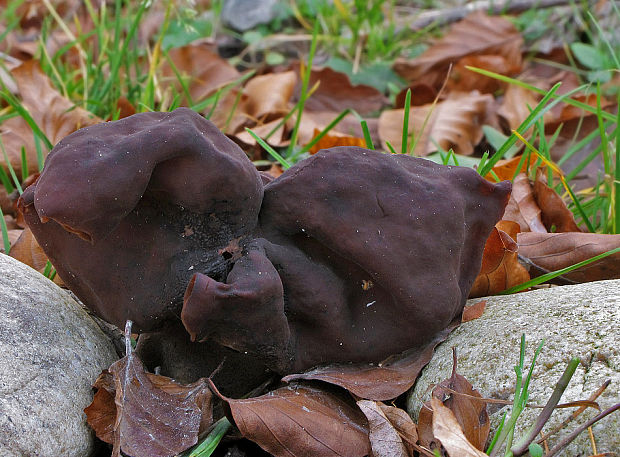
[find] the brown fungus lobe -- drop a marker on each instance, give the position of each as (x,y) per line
(354,255)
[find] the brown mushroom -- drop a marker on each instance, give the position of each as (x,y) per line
(354,255)
(152,198)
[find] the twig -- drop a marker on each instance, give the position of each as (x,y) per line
(566,441)
(522,445)
(450,15)
(577,412)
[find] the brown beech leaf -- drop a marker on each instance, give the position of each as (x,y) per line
(507,169)
(101,413)
(276,140)
(554,251)
(300,420)
(268,95)
(56,115)
(470,413)
(382,381)
(403,424)
(203,70)
(474,311)
(553,209)
(500,266)
(477,34)
(385,440)
(464,80)
(522,207)
(453,123)
(26,249)
(448,431)
(336,93)
(517,104)
(155,416)
(333,139)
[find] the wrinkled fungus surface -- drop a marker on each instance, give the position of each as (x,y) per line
(351,255)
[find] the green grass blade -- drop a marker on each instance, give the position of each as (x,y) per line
(390,147)
(537,112)
(367,137)
(616,191)
(5,234)
(10,167)
(403,147)
(23,112)
(39,149)
(24,164)
(324,132)
(269,149)
(304,88)
(554,274)
(6,181)
(208,445)
(568,101)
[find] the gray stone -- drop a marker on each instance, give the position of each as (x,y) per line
(575,321)
(243,15)
(51,352)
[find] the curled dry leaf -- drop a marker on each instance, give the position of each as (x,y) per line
(554,212)
(471,414)
(500,266)
(335,139)
(26,249)
(464,80)
(382,381)
(301,420)
(101,413)
(554,251)
(154,415)
(268,95)
(204,70)
(455,123)
(447,430)
(385,440)
(56,115)
(477,34)
(517,104)
(336,93)
(522,207)
(507,169)
(474,311)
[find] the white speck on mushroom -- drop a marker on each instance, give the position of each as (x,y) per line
(371,303)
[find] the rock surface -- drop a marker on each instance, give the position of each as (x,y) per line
(243,15)
(50,353)
(575,321)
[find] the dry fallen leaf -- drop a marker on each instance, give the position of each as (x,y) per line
(384,439)
(500,266)
(26,249)
(507,169)
(477,34)
(204,70)
(517,105)
(522,207)
(336,93)
(300,420)
(554,251)
(56,115)
(474,311)
(470,413)
(554,212)
(448,431)
(268,95)
(455,123)
(334,139)
(154,415)
(382,381)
